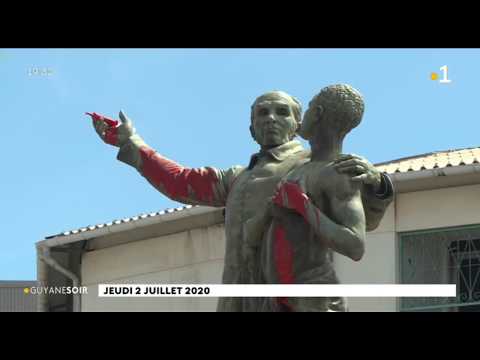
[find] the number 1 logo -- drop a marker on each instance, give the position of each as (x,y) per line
(445,79)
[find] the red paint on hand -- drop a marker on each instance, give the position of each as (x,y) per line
(111,133)
(98,117)
(111,136)
(175,179)
(296,198)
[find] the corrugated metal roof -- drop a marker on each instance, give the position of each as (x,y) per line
(14,299)
(434,160)
(427,161)
(120,221)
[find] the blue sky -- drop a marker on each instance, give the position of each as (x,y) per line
(193,105)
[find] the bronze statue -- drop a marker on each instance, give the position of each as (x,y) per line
(243,191)
(316,209)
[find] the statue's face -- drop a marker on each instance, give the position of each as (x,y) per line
(308,116)
(273,122)
(311,118)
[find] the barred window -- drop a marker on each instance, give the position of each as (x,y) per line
(442,256)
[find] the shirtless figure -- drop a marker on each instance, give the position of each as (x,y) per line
(316,209)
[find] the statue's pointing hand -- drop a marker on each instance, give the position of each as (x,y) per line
(110,131)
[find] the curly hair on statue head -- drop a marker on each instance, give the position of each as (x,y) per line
(343,108)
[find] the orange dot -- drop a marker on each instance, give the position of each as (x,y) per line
(434,76)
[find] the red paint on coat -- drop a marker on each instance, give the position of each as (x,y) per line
(176,179)
(283,257)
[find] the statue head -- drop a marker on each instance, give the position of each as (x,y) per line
(337,107)
(275,118)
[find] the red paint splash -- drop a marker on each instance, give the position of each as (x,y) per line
(283,255)
(175,179)
(98,117)
(297,200)
(111,134)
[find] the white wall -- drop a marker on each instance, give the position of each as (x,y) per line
(445,207)
(194,256)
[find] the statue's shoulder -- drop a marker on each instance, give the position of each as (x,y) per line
(307,153)
(320,176)
(236,170)
(300,172)
(303,156)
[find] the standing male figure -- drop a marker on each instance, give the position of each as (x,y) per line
(316,209)
(243,191)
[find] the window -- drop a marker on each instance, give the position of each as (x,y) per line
(443,256)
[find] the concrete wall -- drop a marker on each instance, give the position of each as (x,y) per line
(454,206)
(194,256)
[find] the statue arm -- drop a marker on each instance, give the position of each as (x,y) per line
(197,186)
(375,203)
(377,189)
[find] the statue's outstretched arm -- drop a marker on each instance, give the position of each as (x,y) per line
(202,186)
